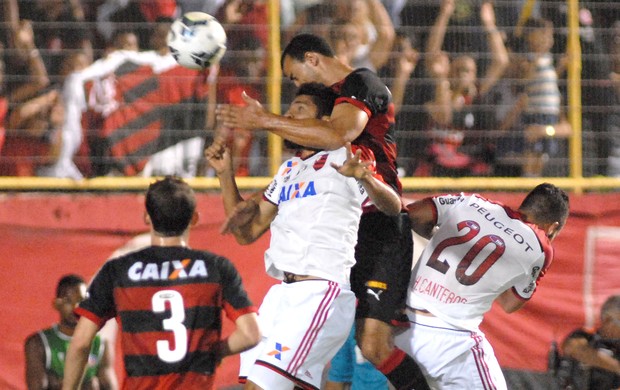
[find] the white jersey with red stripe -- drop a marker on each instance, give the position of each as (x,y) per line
(481,249)
(315,230)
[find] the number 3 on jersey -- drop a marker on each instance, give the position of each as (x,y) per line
(174,323)
(472,229)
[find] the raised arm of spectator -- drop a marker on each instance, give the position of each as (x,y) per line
(499,54)
(406,62)
(10,17)
(437,34)
(31,108)
(23,41)
(382,47)
(440,107)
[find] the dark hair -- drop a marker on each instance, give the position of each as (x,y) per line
(303,43)
(170,203)
(547,204)
(612,304)
(323,97)
(533,24)
(66,282)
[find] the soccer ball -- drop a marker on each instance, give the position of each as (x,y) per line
(197,40)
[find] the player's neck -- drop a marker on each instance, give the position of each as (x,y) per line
(336,72)
(66,329)
(157,240)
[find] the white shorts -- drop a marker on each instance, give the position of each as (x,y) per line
(451,359)
(303,324)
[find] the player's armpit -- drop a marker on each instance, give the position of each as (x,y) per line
(509,301)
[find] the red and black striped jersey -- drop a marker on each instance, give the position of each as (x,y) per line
(365,90)
(168,302)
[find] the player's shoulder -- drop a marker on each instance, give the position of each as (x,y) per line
(35,339)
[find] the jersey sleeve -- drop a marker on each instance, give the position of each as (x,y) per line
(99,303)
(526,287)
(444,203)
(235,298)
(365,90)
(272,192)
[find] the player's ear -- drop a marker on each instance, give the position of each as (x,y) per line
(57,303)
(552,230)
(146,218)
(312,58)
(195,219)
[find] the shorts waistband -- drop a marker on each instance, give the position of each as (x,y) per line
(425,317)
(290,277)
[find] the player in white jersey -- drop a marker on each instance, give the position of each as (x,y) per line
(480,251)
(313,212)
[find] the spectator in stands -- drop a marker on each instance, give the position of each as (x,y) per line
(399,72)
(4,103)
(596,92)
(38,143)
(243,13)
(140,14)
(457,91)
(541,100)
(28,72)
(613,120)
(243,69)
(594,356)
(46,349)
(123,39)
(360,31)
(58,26)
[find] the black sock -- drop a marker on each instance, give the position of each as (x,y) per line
(403,372)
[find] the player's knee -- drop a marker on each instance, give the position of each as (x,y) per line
(374,349)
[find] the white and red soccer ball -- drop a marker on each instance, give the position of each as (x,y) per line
(197,40)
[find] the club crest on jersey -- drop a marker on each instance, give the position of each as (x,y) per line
(168,270)
(297,190)
(320,162)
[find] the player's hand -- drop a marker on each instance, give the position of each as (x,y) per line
(241,216)
(353,166)
(487,14)
(218,157)
(247,117)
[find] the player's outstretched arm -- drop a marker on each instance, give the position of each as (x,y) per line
(249,220)
(422,216)
(218,156)
(346,123)
(380,193)
(77,354)
(107,374)
(245,336)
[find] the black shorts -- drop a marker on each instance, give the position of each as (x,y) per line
(384,256)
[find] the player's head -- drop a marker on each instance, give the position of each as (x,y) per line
(546,206)
(171,206)
(312,100)
(610,318)
(70,291)
(300,57)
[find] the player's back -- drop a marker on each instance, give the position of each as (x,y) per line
(168,301)
(480,250)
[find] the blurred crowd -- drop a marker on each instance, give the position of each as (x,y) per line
(88,87)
